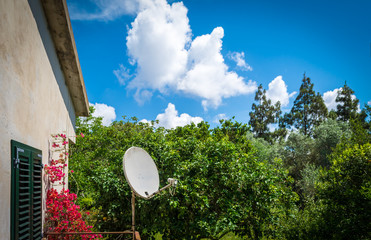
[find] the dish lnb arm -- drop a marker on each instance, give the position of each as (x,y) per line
(172,183)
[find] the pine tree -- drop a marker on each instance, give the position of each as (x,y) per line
(347,106)
(263,113)
(309,110)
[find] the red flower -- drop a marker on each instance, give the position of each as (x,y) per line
(62,213)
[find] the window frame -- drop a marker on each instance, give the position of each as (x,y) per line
(26,191)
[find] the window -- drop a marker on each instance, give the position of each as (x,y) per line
(26,208)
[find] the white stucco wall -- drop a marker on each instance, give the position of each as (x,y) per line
(34,99)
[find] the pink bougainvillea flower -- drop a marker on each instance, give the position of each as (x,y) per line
(62,214)
(62,135)
(82,135)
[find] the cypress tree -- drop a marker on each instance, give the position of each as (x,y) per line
(309,109)
(347,106)
(263,113)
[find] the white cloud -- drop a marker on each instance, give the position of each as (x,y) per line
(208,76)
(170,119)
(239,58)
(159,42)
(219,117)
(122,74)
(145,121)
(156,43)
(369,102)
(277,91)
(105,111)
(329,98)
(105,10)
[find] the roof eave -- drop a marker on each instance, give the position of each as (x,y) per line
(60,28)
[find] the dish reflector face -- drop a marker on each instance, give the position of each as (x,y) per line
(141,172)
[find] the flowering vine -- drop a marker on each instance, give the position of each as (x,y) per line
(62,212)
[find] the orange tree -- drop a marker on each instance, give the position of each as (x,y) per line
(222,186)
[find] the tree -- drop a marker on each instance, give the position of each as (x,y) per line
(298,152)
(347,104)
(347,195)
(235,131)
(263,113)
(327,135)
(365,117)
(222,186)
(341,205)
(308,111)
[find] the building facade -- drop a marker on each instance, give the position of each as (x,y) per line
(42,92)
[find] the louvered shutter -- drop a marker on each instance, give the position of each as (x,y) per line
(26,210)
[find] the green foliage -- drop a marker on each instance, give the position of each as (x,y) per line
(299,151)
(234,182)
(310,178)
(347,106)
(306,223)
(327,135)
(265,151)
(308,111)
(223,188)
(365,118)
(346,191)
(235,131)
(263,113)
(341,206)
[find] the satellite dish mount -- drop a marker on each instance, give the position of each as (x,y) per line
(142,175)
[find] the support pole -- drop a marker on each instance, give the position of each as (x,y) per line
(133,214)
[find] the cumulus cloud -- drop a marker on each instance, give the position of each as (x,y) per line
(219,117)
(239,58)
(103,10)
(107,112)
(159,43)
(170,119)
(369,102)
(160,47)
(156,42)
(329,98)
(208,76)
(277,91)
(145,121)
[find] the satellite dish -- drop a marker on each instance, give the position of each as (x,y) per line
(142,175)
(141,172)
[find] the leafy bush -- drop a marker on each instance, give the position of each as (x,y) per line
(222,186)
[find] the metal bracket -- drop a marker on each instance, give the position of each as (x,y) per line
(17,161)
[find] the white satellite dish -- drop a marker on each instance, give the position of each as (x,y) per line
(141,172)
(142,175)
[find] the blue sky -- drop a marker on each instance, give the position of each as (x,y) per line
(203,59)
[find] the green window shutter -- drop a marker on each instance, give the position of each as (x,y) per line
(26,205)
